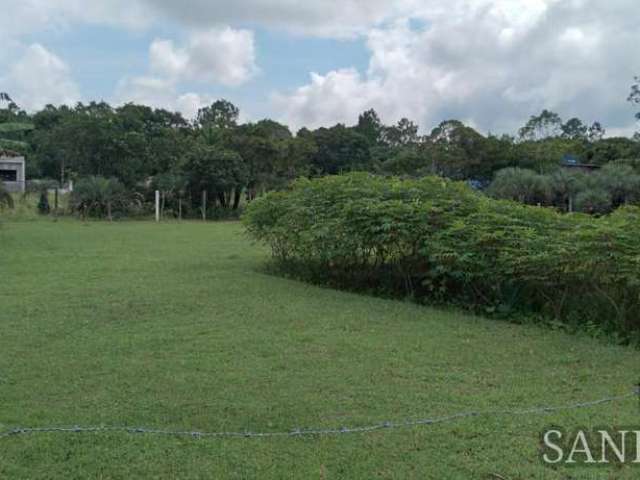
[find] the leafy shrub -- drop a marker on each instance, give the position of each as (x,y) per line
(594,201)
(564,186)
(437,240)
(614,185)
(102,197)
(520,184)
(621,182)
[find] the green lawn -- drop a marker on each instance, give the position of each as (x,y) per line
(175,326)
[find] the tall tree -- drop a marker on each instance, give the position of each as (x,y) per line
(546,125)
(370,126)
(458,152)
(405,132)
(221,173)
(221,114)
(340,149)
(634,96)
(574,129)
(263,147)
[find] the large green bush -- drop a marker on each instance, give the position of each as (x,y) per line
(438,240)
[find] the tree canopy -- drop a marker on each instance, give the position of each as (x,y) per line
(138,146)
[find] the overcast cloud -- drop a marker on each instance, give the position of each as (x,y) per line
(491,63)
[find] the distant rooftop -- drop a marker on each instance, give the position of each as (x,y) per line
(571,161)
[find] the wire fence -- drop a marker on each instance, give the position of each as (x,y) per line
(298,432)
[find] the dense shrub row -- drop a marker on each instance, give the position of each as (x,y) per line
(438,240)
(602,191)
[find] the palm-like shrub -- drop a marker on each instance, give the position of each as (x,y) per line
(520,184)
(621,181)
(99,196)
(564,186)
(593,201)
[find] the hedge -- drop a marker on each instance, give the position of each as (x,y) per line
(439,241)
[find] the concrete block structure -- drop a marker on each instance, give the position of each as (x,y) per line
(12,171)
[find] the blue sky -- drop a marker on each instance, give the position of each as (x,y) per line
(100,56)
(489,63)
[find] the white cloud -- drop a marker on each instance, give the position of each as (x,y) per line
(160,93)
(219,55)
(338,96)
(39,77)
(28,16)
(491,62)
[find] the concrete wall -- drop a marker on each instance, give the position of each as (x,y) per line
(16,164)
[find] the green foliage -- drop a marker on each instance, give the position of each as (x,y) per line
(221,114)
(407,162)
(6,200)
(574,128)
(130,143)
(611,149)
(15,126)
(404,133)
(520,184)
(138,145)
(614,185)
(43,204)
(621,182)
(634,96)
(593,201)
(564,185)
(457,151)
(339,149)
(219,172)
(271,154)
(172,188)
(438,240)
(370,126)
(101,197)
(547,124)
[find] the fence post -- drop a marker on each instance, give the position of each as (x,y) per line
(204,205)
(157,205)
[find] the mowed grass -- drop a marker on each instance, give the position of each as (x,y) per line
(175,326)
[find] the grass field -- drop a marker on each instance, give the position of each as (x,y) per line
(175,326)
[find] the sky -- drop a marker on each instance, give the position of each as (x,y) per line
(489,63)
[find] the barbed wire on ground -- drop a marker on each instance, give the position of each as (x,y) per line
(317,431)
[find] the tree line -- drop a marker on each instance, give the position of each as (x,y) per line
(142,149)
